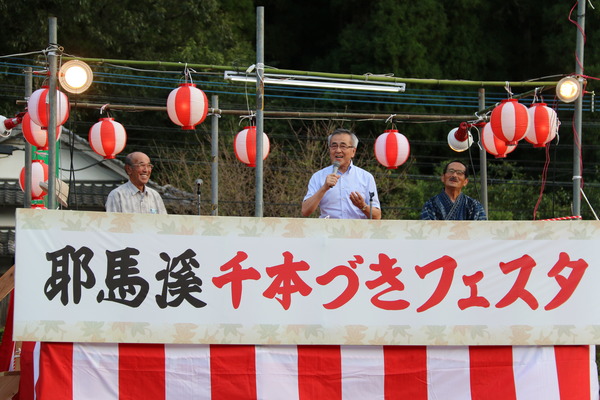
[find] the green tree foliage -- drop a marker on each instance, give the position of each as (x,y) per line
(462,39)
(208,31)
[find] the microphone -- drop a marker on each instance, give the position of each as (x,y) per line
(336,166)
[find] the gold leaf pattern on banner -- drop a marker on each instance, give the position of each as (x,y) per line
(460,232)
(51,327)
(122,222)
(30,335)
(355,334)
(232,330)
(313,331)
(565,330)
(211,226)
(294,329)
(379,340)
(520,334)
(36,219)
(380,231)
(269,333)
(140,328)
(294,229)
(76,225)
(122,327)
(167,228)
(184,333)
(436,335)
(93,331)
(401,331)
(580,234)
(595,329)
(543,339)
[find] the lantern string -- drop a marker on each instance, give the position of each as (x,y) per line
(187,72)
(104,109)
(249,117)
(482,119)
(535,95)
(390,119)
(479,141)
(507,88)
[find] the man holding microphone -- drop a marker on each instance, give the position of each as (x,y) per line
(343,190)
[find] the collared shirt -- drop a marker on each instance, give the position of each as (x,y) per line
(336,203)
(440,207)
(127,198)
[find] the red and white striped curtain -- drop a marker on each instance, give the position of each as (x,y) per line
(88,371)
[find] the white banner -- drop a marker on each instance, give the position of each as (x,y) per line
(108,277)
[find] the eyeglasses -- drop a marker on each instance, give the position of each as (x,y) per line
(455,171)
(142,165)
(342,146)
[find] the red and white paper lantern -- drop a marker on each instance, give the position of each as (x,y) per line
(392,149)
(35,135)
(187,106)
(244,146)
(39,108)
(510,121)
(39,173)
(543,126)
(493,145)
(107,137)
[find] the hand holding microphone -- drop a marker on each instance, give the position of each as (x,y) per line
(332,178)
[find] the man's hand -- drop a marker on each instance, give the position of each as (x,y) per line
(358,200)
(331,180)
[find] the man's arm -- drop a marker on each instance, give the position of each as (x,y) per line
(374,206)
(376,212)
(310,205)
(357,199)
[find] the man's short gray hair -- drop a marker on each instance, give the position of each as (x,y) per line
(343,131)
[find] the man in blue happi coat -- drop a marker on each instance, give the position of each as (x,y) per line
(451,203)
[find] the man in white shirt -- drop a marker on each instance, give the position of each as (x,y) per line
(348,193)
(134,196)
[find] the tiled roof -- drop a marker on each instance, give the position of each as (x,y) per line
(10,193)
(89,196)
(83,196)
(7,241)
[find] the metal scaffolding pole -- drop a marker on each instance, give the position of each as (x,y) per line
(214,149)
(578,111)
(52,122)
(483,161)
(260,92)
(28,147)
